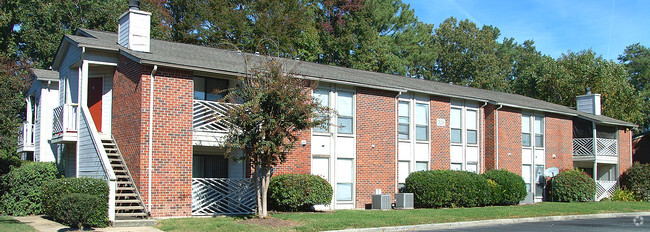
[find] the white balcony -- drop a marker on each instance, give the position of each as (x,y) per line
(208,125)
(65,123)
(605,151)
(26,137)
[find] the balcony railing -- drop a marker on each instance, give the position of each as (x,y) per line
(26,136)
(208,116)
(604,147)
(65,119)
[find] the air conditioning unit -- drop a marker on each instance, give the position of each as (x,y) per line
(403,200)
(381,202)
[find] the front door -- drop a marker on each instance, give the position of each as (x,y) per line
(95,90)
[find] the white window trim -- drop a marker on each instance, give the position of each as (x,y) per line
(413,100)
(465,106)
(533,164)
(333,134)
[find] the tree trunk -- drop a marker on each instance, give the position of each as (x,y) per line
(262,180)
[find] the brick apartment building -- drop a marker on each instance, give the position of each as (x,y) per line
(139,113)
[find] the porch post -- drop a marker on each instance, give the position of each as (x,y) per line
(595,151)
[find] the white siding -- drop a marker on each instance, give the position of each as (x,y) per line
(73,55)
(89,163)
(107,98)
(49,98)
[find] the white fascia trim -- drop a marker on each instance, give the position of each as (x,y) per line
(534,109)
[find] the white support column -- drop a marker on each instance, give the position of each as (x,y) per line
(595,149)
(112,189)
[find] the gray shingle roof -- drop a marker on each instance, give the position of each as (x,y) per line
(45,75)
(206,58)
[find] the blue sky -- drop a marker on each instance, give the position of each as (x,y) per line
(605,26)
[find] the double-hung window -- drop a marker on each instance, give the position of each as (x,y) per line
(413,135)
(345,112)
(210,89)
(533,153)
(464,135)
(322,96)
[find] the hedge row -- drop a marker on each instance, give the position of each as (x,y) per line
(636,179)
(298,192)
(446,188)
(21,188)
(90,197)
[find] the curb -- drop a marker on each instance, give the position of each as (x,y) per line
(457,225)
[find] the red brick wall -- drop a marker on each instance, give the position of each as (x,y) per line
(172,137)
(376,168)
(559,141)
(299,158)
(440,141)
(509,130)
(489,146)
(127,115)
(624,146)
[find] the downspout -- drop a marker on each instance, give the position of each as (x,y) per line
(151,83)
(496,111)
(397,140)
(482,128)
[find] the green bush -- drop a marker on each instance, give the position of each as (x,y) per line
(58,189)
(510,188)
(637,180)
(22,188)
(623,195)
(573,186)
(298,192)
(445,188)
(75,208)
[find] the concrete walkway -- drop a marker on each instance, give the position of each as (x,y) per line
(44,225)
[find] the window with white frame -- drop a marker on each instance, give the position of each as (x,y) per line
(533,153)
(334,143)
(345,109)
(322,96)
(413,135)
(464,135)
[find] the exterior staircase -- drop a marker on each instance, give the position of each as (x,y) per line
(128,203)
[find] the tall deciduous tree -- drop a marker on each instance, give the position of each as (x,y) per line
(275,108)
(471,56)
(14,77)
(636,59)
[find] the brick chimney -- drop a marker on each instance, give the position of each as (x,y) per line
(135,28)
(589,103)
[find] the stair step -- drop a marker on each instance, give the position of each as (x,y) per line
(122,222)
(136,207)
(118,201)
(125,188)
(130,214)
(121,176)
(126,195)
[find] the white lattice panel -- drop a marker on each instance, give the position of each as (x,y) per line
(223,196)
(605,189)
(208,116)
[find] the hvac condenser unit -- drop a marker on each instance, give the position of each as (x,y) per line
(381,202)
(403,200)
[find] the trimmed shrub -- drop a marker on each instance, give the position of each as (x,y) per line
(298,192)
(510,188)
(56,190)
(22,188)
(573,186)
(623,195)
(75,209)
(446,188)
(637,180)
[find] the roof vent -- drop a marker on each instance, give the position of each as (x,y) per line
(135,28)
(589,103)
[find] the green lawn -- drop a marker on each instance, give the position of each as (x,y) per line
(345,219)
(8,224)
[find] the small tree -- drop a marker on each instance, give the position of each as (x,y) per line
(275,107)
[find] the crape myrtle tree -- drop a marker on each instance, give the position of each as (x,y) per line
(275,107)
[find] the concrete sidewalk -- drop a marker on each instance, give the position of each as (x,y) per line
(44,225)
(458,225)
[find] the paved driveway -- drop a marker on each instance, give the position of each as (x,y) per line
(589,225)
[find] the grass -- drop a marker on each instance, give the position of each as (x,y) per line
(8,224)
(346,219)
